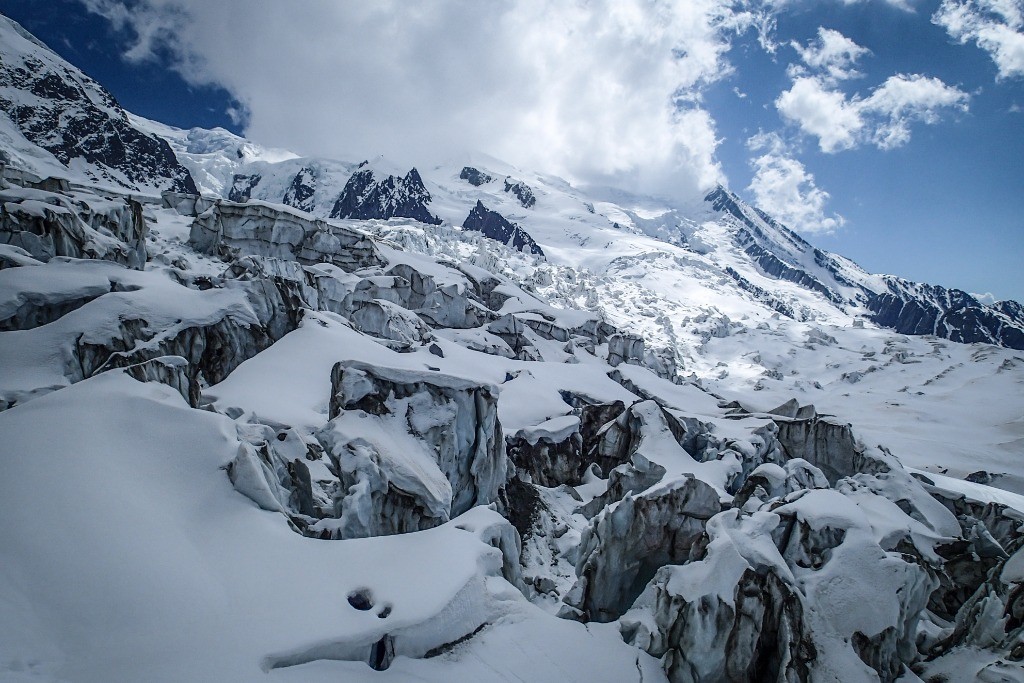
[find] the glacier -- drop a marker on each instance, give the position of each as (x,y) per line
(275,417)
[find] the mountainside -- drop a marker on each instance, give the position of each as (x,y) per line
(768,264)
(73,118)
(344,421)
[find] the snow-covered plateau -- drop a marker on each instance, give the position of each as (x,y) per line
(274,418)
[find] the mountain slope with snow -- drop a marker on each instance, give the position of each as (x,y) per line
(76,121)
(245,440)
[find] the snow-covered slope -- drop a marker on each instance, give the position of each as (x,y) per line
(756,263)
(244,440)
(81,131)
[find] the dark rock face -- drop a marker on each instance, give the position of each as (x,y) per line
(492,224)
(763,295)
(366,197)
(753,240)
(522,192)
(914,308)
(725,201)
(774,266)
(242,186)
(300,193)
(74,117)
(475,177)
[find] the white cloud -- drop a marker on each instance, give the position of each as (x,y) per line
(903,99)
(596,90)
(782,187)
(819,108)
(832,54)
(883,118)
(823,112)
(996,26)
(905,5)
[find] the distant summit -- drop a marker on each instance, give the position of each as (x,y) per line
(366,196)
(492,224)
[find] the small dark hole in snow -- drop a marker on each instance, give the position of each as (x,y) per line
(282,436)
(360,599)
(384,613)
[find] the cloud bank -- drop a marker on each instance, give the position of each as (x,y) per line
(606,90)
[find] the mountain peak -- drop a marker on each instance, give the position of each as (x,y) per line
(74,118)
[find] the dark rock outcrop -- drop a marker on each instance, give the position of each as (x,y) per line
(914,308)
(301,190)
(474,176)
(492,224)
(522,192)
(367,197)
(242,186)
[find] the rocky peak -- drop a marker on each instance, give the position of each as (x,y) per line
(242,186)
(521,191)
(492,224)
(301,190)
(475,177)
(367,197)
(58,108)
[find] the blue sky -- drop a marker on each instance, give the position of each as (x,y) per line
(943,203)
(948,206)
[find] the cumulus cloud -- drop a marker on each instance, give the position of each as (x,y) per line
(832,54)
(996,26)
(902,99)
(599,90)
(815,103)
(823,112)
(784,188)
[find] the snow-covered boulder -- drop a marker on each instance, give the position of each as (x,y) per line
(791,594)
(549,453)
(49,224)
(627,543)
(413,449)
